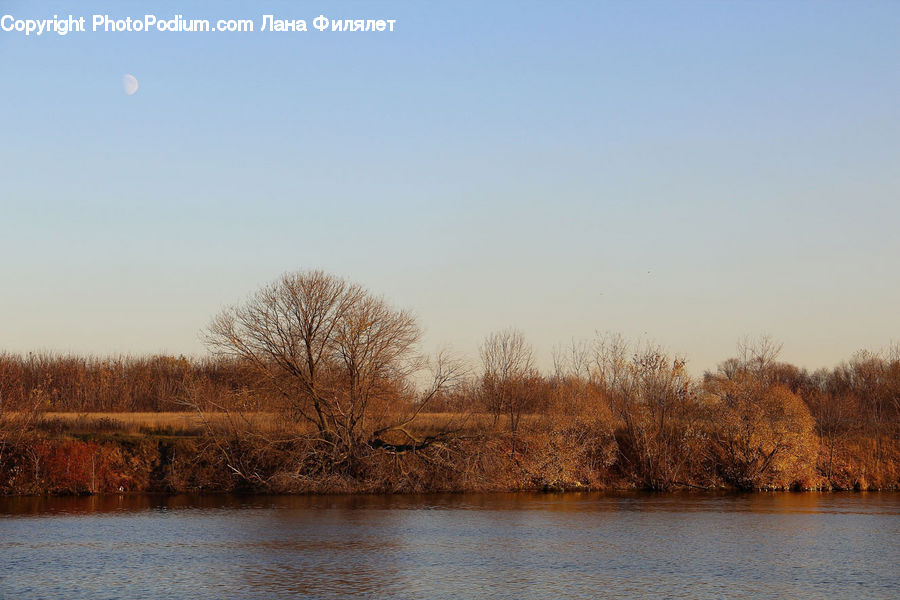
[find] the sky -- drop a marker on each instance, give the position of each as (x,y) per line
(686,173)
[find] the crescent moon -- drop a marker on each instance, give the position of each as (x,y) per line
(130,84)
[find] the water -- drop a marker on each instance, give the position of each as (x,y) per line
(514,546)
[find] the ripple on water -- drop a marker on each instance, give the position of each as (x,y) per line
(460,546)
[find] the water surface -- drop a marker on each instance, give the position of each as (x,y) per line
(509,546)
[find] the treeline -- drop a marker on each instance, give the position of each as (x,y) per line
(67,383)
(338,371)
(608,414)
(634,414)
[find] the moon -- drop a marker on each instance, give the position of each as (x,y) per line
(130,84)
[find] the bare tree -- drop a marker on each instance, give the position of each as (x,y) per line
(653,397)
(873,378)
(573,360)
(758,355)
(17,422)
(763,433)
(339,357)
(448,376)
(508,361)
(835,421)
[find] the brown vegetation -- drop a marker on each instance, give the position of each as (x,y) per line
(316,386)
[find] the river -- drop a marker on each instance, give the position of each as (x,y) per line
(503,546)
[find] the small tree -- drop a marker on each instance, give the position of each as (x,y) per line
(835,421)
(17,421)
(654,401)
(763,434)
(509,379)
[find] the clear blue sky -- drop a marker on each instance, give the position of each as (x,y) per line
(686,172)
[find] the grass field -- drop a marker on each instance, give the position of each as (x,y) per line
(193,423)
(147,423)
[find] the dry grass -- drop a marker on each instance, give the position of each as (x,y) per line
(134,419)
(147,423)
(192,423)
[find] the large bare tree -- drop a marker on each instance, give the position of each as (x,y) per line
(339,357)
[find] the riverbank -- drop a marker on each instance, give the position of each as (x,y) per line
(116,462)
(635,419)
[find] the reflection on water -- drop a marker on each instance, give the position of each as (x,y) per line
(452,546)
